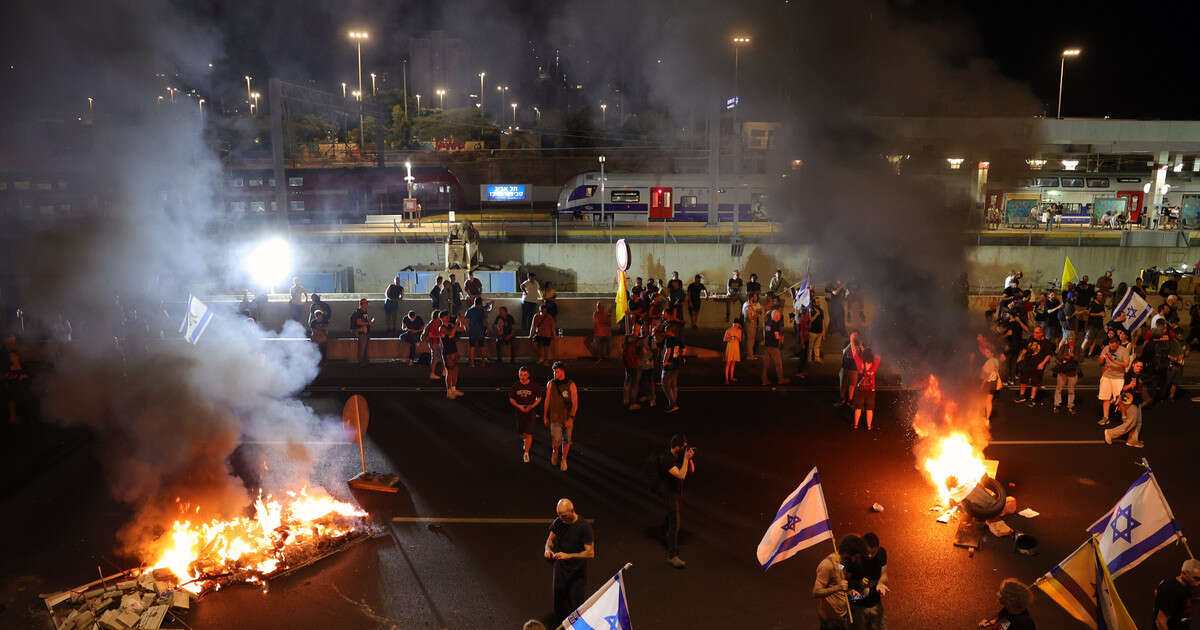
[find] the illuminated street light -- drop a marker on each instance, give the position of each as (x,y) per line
(441,98)
(481,75)
(269,263)
(202,108)
(90,105)
(1062,66)
(514,108)
(357,95)
(418,104)
(172,91)
(255,96)
(247,77)
(372,84)
(343,90)
(358,37)
(603,116)
(537,112)
(738,42)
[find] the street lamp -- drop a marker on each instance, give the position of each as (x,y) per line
(738,42)
(255,96)
(441,98)
(537,112)
(343,90)
(514,108)
(481,75)
(202,108)
(247,77)
(357,95)
(603,116)
(418,104)
(372,84)
(602,180)
(358,37)
(1062,66)
(90,105)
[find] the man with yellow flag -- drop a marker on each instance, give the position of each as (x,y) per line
(1083,586)
(1069,274)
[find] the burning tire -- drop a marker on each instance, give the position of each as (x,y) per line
(986,500)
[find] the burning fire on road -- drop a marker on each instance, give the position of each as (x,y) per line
(951,442)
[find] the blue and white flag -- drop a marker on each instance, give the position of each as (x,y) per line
(1135,308)
(1137,526)
(604,610)
(804,293)
(196,320)
(801,522)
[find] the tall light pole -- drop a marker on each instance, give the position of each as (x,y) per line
(247,77)
(91,107)
(602,180)
(418,104)
(501,89)
(537,112)
(201,109)
(255,96)
(738,42)
(603,115)
(514,108)
(372,84)
(343,90)
(441,98)
(1062,66)
(404,63)
(358,37)
(481,74)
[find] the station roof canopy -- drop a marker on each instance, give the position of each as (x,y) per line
(1069,135)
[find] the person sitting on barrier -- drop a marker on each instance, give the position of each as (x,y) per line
(506,335)
(413,326)
(318,326)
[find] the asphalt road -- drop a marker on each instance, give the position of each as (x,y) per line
(462,459)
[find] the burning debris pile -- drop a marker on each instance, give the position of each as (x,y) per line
(951,443)
(194,558)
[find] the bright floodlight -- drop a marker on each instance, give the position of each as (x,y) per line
(270,262)
(1071,52)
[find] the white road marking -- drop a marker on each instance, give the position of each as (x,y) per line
(1042,442)
(476,520)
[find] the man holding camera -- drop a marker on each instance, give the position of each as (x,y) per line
(673,467)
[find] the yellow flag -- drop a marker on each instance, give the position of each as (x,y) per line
(1068,273)
(1082,585)
(622,299)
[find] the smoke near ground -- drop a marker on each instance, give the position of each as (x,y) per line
(167,415)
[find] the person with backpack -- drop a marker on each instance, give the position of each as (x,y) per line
(864,390)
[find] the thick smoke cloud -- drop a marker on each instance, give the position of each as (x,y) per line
(167,416)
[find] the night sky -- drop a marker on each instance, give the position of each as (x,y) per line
(1137,61)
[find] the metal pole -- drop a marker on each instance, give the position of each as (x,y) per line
(405,71)
(1062,66)
(737,152)
(361,134)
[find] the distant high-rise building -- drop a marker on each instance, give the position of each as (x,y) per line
(439,62)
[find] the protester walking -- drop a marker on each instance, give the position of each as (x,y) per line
(864,390)
(772,346)
(1113,361)
(525,398)
(433,340)
(1066,375)
(570,544)
(816,330)
(601,342)
(562,402)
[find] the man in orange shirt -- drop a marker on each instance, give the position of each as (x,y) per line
(601,347)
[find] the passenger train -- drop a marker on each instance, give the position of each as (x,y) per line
(646,197)
(1079,197)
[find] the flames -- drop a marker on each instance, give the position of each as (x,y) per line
(280,535)
(951,443)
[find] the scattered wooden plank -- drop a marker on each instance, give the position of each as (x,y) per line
(153,617)
(181,599)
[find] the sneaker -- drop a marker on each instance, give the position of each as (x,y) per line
(434,377)
(1107,438)
(450,395)
(672,409)
(1104,422)
(553,458)
(458,394)
(634,407)
(1071,410)
(1020,399)
(1032,403)
(563,465)
(677,562)
(525,457)
(1138,444)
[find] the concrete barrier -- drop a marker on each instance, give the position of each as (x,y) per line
(567,348)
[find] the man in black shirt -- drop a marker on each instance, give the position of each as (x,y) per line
(570,545)
(525,398)
(413,327)
(753,287)
(672,360)
(1033,360)
(695,292)
(673,467)
(360,325)
(393,294)
(867,578)
(1174,598)
(505,329)
(772,342)
(675,289)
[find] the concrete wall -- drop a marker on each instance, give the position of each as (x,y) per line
(591,267)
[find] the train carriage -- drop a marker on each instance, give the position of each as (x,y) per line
(645,197)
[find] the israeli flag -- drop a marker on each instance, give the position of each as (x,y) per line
(1135,308)
(801,522)
(1137,526)
(196,320)
(604,610)
(804,293)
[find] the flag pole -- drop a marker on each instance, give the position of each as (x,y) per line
(833,539)
(1145,463)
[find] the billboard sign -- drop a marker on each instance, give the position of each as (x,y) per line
(505,192)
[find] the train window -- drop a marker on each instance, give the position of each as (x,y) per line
(256,181)
(296,206)
(689,201)
(295,181)
(271,182)
(1072,182)
(237,206)
(44,186)
(1129,180)
(237,182)
(1047,182)
(1098,183)
(1025,183)
(258,206)
(625,196)
(21,185)
(588,191)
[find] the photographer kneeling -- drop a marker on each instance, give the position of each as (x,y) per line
(673,467)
